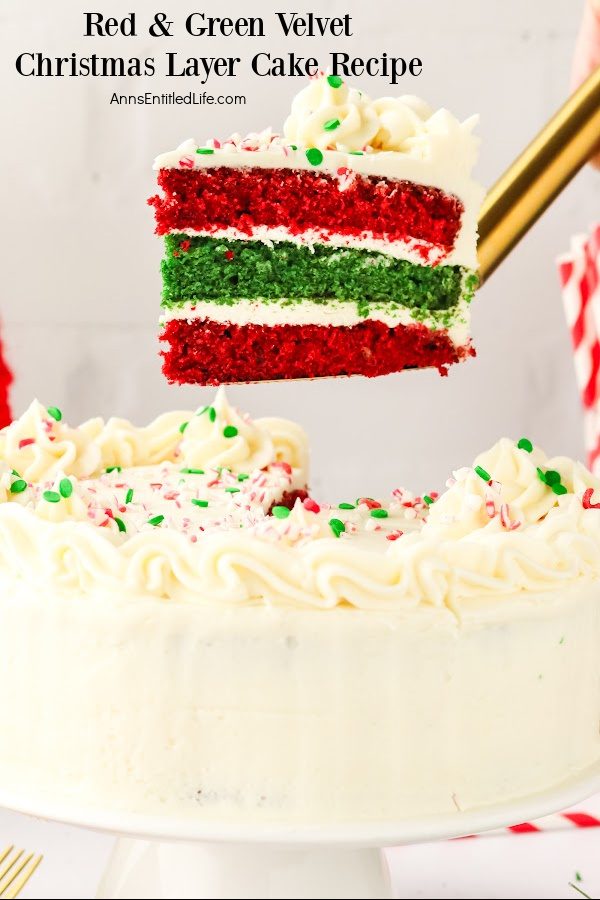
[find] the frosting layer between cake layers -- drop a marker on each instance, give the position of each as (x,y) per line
(390,222)
(184,630)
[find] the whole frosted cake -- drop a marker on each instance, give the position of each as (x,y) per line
(184,629)
(345,246)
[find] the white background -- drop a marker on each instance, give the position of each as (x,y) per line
(80,295)
(80,283)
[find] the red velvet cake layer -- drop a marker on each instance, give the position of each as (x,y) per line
(207,352)
(223,197)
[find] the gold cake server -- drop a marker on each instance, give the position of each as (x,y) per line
(539,174)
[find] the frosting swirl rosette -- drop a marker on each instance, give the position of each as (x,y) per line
(39,445)
(219,435)
(506,479)
(399,118)
(329,114)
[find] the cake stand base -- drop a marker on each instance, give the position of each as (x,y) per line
(140,868)
(162,856)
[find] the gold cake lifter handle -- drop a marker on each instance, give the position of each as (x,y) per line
(539,174)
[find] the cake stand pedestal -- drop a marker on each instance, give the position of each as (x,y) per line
(167,857)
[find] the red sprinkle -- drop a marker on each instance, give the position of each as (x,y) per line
(185,245)
(371,504)
(393,535)
(186,162)
(229,254)
(283,465)
(505,518)
(26,442)
(586,501)
(311,505)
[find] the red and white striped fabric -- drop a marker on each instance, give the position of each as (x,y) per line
(579,271)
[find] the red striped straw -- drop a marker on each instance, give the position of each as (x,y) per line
(569,820)
(579,272)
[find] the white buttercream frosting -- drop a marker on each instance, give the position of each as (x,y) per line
(196,524)
(38,446)
(395,137)
(335,314)
(327,117)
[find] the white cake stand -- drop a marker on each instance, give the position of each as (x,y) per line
(185,858)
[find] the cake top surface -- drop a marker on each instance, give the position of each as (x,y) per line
(194,507)
(332,125)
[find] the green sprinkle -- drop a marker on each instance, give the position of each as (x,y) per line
(541,474)
(525,444)
(205,151)
(428,500)
(346,506)
(120,524)
(51,497)
(129,496)
(314,156)
(337,526)
(243,476)
(578,876)
(559,489)
(156,520)
(562,640)
(280,512)
(356,153)
(212,413)
(188,471)
(110,469)
(18,486)
(232,490)
(331,125)
(65,487)
(379,513)
(183,426)
(15,473)
(293,147)
(552,477)
(202,503)
(334,81)
(230,431)
(55,412)
(482,473)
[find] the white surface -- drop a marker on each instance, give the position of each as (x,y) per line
(507,866)
(81,322)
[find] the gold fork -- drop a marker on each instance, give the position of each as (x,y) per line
(16,868)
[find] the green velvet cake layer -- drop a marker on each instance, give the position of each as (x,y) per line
(205,268)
